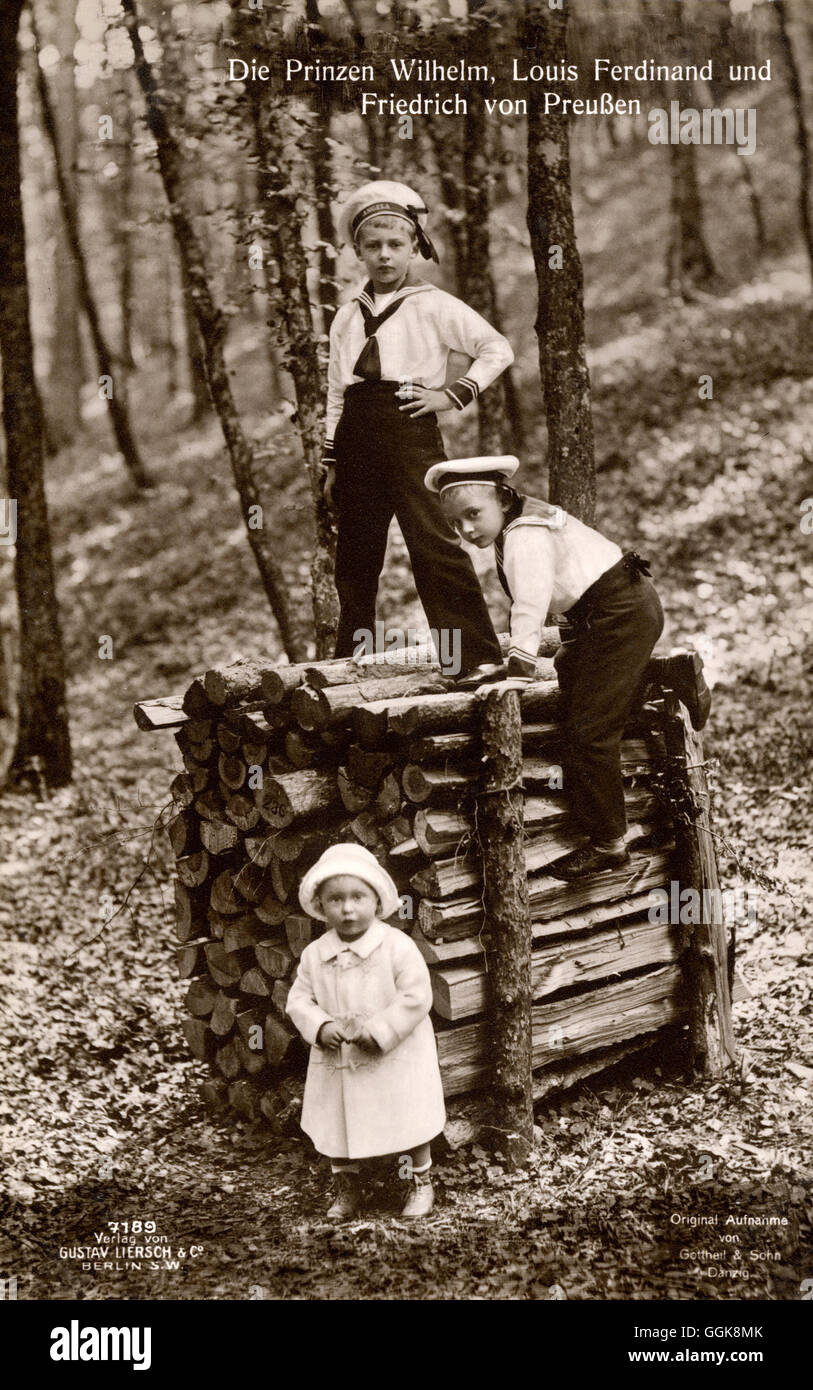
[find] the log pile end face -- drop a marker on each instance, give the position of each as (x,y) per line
(280,762)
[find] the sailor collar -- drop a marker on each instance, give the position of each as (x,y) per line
(366,295)
(331,943)
(550,523)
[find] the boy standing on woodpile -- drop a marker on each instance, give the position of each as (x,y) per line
(389,352)
(610,618)
(361,999)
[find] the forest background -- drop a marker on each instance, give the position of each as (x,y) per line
(174,231)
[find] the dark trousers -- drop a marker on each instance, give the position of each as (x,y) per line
(382,456)
(606,644)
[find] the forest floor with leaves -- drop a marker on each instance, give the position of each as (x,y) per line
(100,1105)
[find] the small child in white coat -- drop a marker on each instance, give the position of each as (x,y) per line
(361,999)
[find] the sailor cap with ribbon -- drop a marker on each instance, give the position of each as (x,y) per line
(384,198)
(356,861)
(459,472)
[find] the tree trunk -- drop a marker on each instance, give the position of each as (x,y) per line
(560,315)
(795,85)
(116,398)
(688,259)
(276,143)
(212,330)
(43,739)
(64,404)
(478,282)
(505,895)
(124,237)
(322,177)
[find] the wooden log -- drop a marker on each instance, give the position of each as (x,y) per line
(277,1039)
(444,878)
(394,832)
(228,1060)
(460,990)
(299,932)
(195,700)
(254,981)
(505,898)
(711,1033)
(274,959)
(278,683)
(303,751)
(364,828)
(388,797)
(279,996)
(438,830)
(197,760)
(190,958)
(199,730)
(250,1026)
(223,1014)
(549,897)
(219,836)
(181,790)
(232,771)
(254,754)
(284,878)
(230,685)
(229,737)
(368,766)
(420,784)
(223,897)
(242,811)
(574,1026)
(200,998)
(193,869)
(270,910)
(294,795)
(253,1061)
(317,709)
(251,882)
(242,932)
(444,952)
(190,912)
(226,967)
(209,805)
(199,1037)
(354,796)
(350,672)
(182,830)
(437,714)
(405,852)
(164,713)
(434,747)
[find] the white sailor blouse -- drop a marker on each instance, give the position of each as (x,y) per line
(546,559)
(422,326)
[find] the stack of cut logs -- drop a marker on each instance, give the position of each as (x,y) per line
(281,762)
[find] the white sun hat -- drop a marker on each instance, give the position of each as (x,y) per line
(381,198)
(351,859)
(457,472)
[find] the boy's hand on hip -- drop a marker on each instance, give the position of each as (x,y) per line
(426,402)
(328,485)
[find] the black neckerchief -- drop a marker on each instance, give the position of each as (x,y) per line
(368,364)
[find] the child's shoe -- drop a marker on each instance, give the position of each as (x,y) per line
(421,1198)
(348,1197)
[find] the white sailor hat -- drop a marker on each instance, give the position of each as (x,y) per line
(458,472)
(381,198)
(355,860)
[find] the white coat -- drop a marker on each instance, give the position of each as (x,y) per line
(359,1104)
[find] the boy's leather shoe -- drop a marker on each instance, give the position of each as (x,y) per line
(586,860)
(478,675)
(348,1197)
(421,1199)
(689,684)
